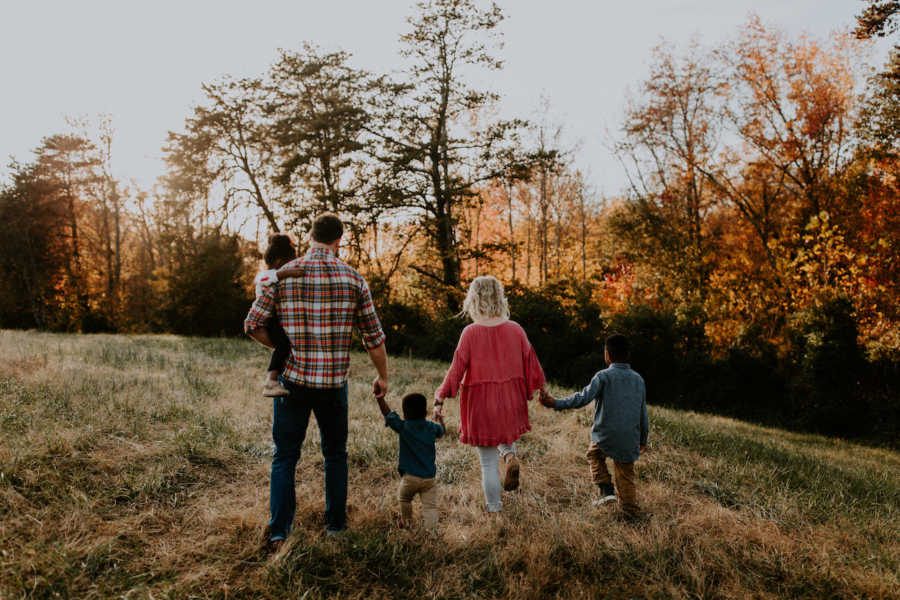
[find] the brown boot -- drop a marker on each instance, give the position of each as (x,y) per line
(511,476)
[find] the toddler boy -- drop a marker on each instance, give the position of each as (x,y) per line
(417,455)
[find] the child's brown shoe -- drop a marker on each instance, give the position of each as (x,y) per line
(511,477)
(273,389)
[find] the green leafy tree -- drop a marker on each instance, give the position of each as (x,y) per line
(33,251)
(318,116)
(437,142)
(209,291)
(227,141)
(879,120)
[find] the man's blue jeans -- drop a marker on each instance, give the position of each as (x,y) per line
(290,420)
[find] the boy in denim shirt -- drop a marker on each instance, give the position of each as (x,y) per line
(620,423)
(417,455)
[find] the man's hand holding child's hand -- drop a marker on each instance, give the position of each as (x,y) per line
(545,399)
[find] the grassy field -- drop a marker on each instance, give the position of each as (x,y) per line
(137,466)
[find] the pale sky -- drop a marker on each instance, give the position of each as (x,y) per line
(143,62)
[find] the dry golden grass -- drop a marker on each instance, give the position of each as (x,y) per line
(137,466)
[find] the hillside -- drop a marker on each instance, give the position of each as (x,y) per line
(138,466)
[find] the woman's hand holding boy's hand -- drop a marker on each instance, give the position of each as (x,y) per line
(438,408)
(545,399)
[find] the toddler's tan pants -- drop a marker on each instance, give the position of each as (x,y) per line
(411,485)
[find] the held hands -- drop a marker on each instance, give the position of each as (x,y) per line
(379,387)
(383,405)
(545,399)
(438,408)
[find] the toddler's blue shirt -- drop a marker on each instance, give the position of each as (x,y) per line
(417,453)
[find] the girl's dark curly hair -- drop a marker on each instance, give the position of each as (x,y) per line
(280,248)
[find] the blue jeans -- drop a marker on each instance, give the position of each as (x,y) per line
(290,420)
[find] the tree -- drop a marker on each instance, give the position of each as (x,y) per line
(101,193)
(879,118)
(436,140)
(33,252)
(878,19)
(227,142)
(793,110)
(671,138)
(70,161)
(547,161)
(317,109)
(318,118)
(209,292)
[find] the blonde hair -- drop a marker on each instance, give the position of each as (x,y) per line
(485,299)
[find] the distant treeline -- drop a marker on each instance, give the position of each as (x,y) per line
(754,258)
(820,381)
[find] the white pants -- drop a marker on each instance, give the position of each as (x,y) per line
(489,456)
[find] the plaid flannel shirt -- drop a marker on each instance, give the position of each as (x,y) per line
(318,312)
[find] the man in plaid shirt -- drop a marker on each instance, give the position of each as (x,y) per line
(318,312)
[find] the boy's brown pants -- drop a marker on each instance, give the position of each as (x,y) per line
(625,489)
(410,485)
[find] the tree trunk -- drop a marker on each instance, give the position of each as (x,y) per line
(583,235)
(528,248)
(118,232)
(260,200)
(477,245)
(449,261)
(107,245)
(512,234)
(543,228)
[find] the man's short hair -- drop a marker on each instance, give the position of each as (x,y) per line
(279,248)
(618,348)
(415,406)
(327,228)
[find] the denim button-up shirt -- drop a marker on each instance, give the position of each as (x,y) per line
(620,411)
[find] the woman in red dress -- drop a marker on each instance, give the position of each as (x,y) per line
(495,371)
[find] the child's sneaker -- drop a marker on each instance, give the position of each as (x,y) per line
(511,477)
(608,494)
(273,389)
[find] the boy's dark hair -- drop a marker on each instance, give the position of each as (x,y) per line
(618,348)
(327,228)
(280,248)
(415,406)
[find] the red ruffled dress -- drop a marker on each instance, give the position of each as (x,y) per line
(497,371)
